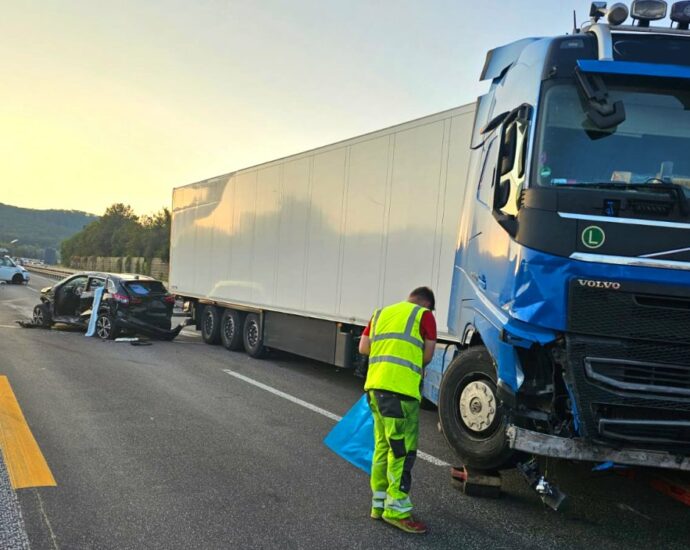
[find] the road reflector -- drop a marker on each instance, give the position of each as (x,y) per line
(25,462)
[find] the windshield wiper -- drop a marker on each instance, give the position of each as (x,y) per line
(674,190)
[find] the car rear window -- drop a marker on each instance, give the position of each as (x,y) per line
(144,288)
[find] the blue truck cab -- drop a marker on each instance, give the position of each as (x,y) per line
(571,288)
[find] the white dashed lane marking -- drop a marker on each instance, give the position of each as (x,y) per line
(420,454)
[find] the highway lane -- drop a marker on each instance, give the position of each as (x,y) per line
(158,447)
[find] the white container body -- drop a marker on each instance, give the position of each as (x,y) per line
(331,233)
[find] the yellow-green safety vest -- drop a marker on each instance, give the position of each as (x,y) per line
(396,358)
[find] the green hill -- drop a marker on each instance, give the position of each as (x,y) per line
(39,229)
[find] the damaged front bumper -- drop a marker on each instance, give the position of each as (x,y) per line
(537,443)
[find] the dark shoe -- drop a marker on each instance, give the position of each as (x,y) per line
(409,525)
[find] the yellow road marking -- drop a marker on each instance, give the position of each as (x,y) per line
(24,460)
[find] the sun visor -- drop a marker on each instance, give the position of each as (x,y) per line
(633,68)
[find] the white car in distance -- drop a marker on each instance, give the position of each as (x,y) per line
(10,272)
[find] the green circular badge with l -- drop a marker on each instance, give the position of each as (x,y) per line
(593,236)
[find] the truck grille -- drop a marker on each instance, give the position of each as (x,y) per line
(633,391)
(631,311)
(671,433)
(637,376)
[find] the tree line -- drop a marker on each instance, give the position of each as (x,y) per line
(120,232)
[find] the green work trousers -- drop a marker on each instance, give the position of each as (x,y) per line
(396,429)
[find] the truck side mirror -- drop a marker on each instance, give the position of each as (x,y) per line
(511,176)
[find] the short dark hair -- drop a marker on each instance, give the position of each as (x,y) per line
(426,294)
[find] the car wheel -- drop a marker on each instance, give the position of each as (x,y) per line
(210,325)
(105,327)
(42,316)
(252,336)
(231,329)
(472,418)
(17,279)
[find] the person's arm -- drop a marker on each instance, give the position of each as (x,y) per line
(365,345)
(428,332)
(365,342)
(429,348)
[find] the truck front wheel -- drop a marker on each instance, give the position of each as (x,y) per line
(472,418)
(210,325)
(253,337)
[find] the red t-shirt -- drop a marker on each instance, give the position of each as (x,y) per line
(427,326)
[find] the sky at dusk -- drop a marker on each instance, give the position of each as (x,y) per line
(108,102)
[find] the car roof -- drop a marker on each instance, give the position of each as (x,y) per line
(117,276)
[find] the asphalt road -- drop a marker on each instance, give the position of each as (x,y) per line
(158,447)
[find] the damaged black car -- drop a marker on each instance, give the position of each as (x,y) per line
(131,304)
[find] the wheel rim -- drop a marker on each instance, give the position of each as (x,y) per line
(103,327)
(229,329)
(253,334)
(208,324)
(38,316)
(477,406)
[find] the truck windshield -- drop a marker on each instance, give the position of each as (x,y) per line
(650,147)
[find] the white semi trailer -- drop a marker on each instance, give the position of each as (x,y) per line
(295,254)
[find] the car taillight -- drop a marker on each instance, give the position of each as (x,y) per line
(169,299)
(121,298)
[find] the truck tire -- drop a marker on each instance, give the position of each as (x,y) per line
(210,325)
(253,337)
(106,329)
(231,327)
(471,417)
(42,316)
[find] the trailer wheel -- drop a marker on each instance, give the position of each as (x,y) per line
(253,337)
(231,329)
(210,325)
(471,416)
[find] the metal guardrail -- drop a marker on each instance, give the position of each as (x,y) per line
(53,272)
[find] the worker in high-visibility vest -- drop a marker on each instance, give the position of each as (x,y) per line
(399,340)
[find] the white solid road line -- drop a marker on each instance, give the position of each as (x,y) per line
(420,454)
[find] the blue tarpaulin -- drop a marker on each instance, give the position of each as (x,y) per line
(94,311)
(353,437)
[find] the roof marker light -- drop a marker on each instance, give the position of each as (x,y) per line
(648,10)
(680,13)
